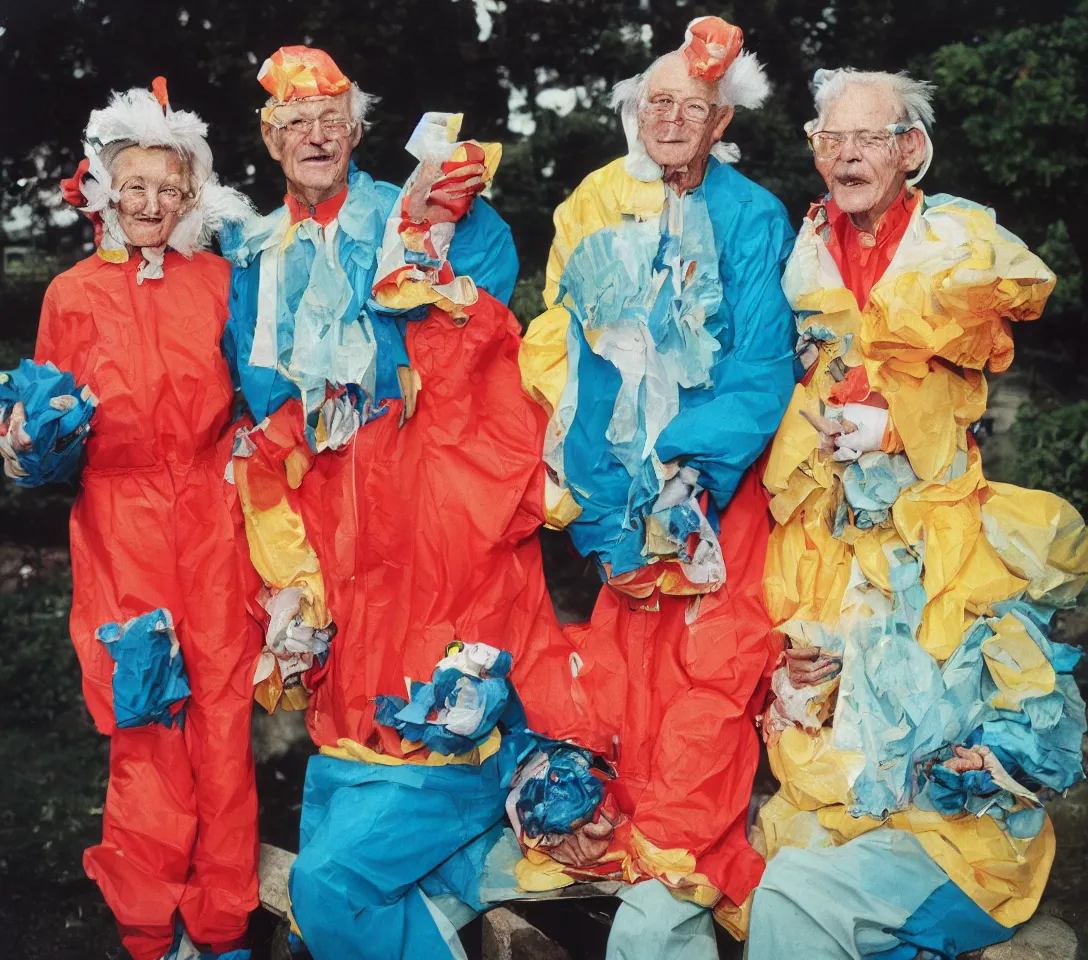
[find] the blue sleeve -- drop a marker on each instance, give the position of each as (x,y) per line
(483,249)
(754,380)
(239,287)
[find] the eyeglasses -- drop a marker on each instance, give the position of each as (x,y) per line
(332,126)
(828,145)
(664,107)
(169,198)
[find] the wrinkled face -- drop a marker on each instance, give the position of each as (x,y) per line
(154,185)
(864,178)
(313,141)
(678,120)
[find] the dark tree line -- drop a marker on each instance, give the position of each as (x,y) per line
(1012,100)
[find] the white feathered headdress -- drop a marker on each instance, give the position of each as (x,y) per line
(144,118)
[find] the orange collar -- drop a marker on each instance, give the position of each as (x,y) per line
(324,213)
(863,257)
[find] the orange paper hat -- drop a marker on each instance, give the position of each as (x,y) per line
(295,73)
(710,47)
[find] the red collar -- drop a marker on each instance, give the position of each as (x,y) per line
(863,257)
(324,213)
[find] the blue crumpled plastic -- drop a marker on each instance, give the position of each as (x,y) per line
(871,485)
(449,688)
(57,436)
(950,792)
(565,793)
(149,677)
(902,709)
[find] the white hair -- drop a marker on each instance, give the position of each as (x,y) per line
(744,84)
(135,118)
(914,99)
(361,103)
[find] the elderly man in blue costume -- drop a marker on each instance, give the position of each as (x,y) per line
(665,362)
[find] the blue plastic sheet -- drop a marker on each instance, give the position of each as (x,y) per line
(149,678)
(57,435)
(878,896)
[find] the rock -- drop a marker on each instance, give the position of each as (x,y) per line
(1041,938)
(272,873)
(508,937)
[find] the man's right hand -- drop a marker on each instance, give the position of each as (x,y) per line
(584,846)
(811,665)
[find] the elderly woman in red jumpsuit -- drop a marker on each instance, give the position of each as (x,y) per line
(158,608)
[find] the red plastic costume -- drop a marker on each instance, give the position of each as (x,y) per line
(672,697)
(154,525)
(433,537)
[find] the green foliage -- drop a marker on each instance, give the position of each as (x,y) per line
(1057,253)
(39,672)
(528,299)
(1052,451)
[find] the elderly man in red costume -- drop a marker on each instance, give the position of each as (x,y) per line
(159,617)
(392,485)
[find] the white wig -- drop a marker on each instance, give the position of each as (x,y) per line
(913,97)
(744,84)
(137,118)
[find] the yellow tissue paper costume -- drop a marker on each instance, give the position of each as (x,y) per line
(908,555)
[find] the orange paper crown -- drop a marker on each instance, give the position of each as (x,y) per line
(710,47)
(294,73)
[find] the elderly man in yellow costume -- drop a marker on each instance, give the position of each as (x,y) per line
(922,712)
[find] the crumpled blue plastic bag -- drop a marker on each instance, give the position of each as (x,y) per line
(560,794)
(149,678)
(57,436)
(459,708)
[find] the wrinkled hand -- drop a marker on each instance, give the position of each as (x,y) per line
(440,198)
(828,430)
(979,757)
(811,665)
(14,440)
(15,428)
(584,846)
(409,389)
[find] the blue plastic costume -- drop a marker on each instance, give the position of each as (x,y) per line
(269,345)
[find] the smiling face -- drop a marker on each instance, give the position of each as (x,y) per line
(315,160)
(676,136)
(154,184)
(865,180)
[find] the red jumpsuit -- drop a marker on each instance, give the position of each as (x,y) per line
(426,533)
(155,525)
